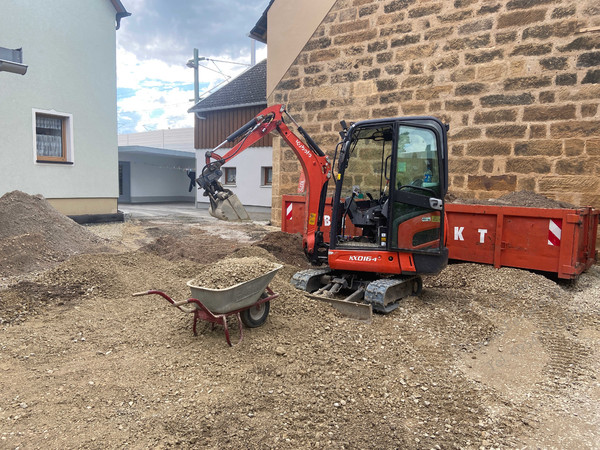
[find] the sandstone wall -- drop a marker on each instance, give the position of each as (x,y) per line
(518,81)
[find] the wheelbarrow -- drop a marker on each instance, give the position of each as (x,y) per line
(248,301)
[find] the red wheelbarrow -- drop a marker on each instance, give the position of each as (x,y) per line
(248,301)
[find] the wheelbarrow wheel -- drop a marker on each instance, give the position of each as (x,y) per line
(256,315)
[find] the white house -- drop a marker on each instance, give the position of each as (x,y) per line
(58,121)
(154,166)
(249,174)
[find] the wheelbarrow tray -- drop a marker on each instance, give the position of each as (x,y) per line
(238,296)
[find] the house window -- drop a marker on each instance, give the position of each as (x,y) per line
(52,137)
(229,175)
(267,176)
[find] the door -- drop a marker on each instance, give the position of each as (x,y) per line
(419,183)
(124,182)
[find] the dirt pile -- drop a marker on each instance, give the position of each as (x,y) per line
(231,271)
(285,247)
(483,358)
(526,199)
(34,235)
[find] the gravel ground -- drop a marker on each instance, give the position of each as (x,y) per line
(484,358)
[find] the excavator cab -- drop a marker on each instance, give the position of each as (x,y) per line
(391,182)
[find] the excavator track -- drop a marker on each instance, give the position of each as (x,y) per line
(380,295)
(383,294)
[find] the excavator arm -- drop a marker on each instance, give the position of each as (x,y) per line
(225,205)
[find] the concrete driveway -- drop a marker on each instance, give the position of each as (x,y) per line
(184,211)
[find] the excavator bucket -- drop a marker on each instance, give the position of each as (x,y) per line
(227,206)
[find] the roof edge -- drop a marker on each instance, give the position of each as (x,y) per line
(220,108)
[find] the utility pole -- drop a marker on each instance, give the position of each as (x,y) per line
(194,63)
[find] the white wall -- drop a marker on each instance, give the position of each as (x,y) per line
(175,139)
(159,178)
(70,50)
(248,173)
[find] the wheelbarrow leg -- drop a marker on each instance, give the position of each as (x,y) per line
(240,328)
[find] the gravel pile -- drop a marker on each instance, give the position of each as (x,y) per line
(231,271)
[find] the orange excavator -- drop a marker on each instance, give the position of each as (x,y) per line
(387,220)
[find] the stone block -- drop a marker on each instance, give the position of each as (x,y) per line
(565,183)
(377,46)
(532,50)
(384,57)
(574,166)
(288,85)
(347,77)
(459,105)
(371,74)
(396,97)
(447,62)
(548,113)
(417,80)
(315,105)
(457,16)
(491,72)
(315,81)
(524,83)
(397,5)
(463,166)
(592,147)
(547,97)
(348,27)
(491,101)
(506,37)
(423,11)
(438,33)
(367,10)
(521,18)
(492,182)
(488,9)
(406,40)
(538,131)
(575,128)
(541,147)
(588,59)
(395,69)
(506,131)
(399,28)
(524,4)
(488,148)
(386,85)
(470,89)
(528,165)
(353,38)
(566,79)
(487,165)
(591,77)
(465,134)
(574,147)
(324,55)
(526,184)
(413,108)
(554,63)
(589,110)
(562,12)
(495,116)
(468,42)
(434,92)
(476,26)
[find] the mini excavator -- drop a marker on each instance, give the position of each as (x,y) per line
(387,215)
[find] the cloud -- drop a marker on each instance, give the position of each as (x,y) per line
(154,86)
(168,30)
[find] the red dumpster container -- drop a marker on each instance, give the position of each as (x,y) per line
(562,241)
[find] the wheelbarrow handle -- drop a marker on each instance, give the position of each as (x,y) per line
(138,294)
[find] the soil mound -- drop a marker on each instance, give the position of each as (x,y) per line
(526,199)
(34,235)
(285,247)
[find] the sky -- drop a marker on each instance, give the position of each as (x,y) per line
(154,87)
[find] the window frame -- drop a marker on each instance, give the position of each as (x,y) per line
(263,176)
(226,170)
(66,137)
